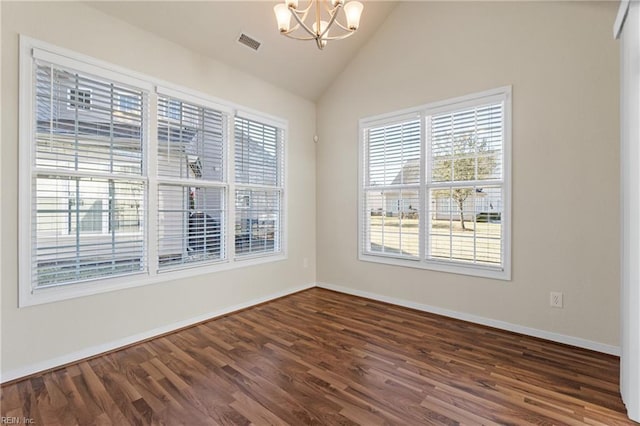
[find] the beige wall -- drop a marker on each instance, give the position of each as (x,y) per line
(562,62)
(35,335)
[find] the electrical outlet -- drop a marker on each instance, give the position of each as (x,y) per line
(305,262)
(555,299)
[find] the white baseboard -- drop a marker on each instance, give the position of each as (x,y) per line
(503,325)
(110,346)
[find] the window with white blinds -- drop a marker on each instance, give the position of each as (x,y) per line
(88,192)
(392,186)
(259,187)
(125,180)
(465,184)
(435,186)
(192,183)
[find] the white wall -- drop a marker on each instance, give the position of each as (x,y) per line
(42,336)
(562,62)
(630,166)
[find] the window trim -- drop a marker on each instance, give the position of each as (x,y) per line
(502,94)
(193,98)
(281,126)
(31,49)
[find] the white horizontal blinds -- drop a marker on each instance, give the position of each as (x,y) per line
(393,153)
(191,225)
(480,241)
(392,189)
(393,222)
(258,224)
(81,125)
(259,158)
(192,190)
(88,183)
(465,185)
(191,141)
(86,229)
(467,145)
(259,179)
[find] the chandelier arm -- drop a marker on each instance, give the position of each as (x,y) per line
(290,30)
(318,19)
(333,15)
(301,22)
(299,37)
(303,16)
(343,27)
(303,11)
(331,9)
(340,37)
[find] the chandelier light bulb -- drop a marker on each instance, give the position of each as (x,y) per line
(353,10)
(283,16)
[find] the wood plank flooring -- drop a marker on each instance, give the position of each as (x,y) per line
(324,358)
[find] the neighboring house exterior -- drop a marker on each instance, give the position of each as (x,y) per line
(482,203)
(82,213)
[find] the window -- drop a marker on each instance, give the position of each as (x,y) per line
(192,188)
(87,177)
(120,177)
(392,190)
(259,162)
(435,186)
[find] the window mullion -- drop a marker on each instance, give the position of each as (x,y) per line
(151,146)
(364,219)
(230,240)
(42,171)
(200,183)
(259,187)
(424,223)
(465,183)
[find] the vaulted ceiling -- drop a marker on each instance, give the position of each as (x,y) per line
(212,28)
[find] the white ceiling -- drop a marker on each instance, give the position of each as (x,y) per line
(211,28)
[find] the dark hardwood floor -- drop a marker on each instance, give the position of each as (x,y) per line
(324,358)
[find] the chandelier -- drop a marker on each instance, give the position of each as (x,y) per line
(326,15)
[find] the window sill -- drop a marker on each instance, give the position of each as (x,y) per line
(441,266)
(89,288)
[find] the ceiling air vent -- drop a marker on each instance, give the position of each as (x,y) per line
(248,41)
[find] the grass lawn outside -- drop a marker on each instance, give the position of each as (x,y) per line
(447,239)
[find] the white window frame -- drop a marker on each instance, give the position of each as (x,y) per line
(281,188)
(191,98)
(503,272)
(28,295)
